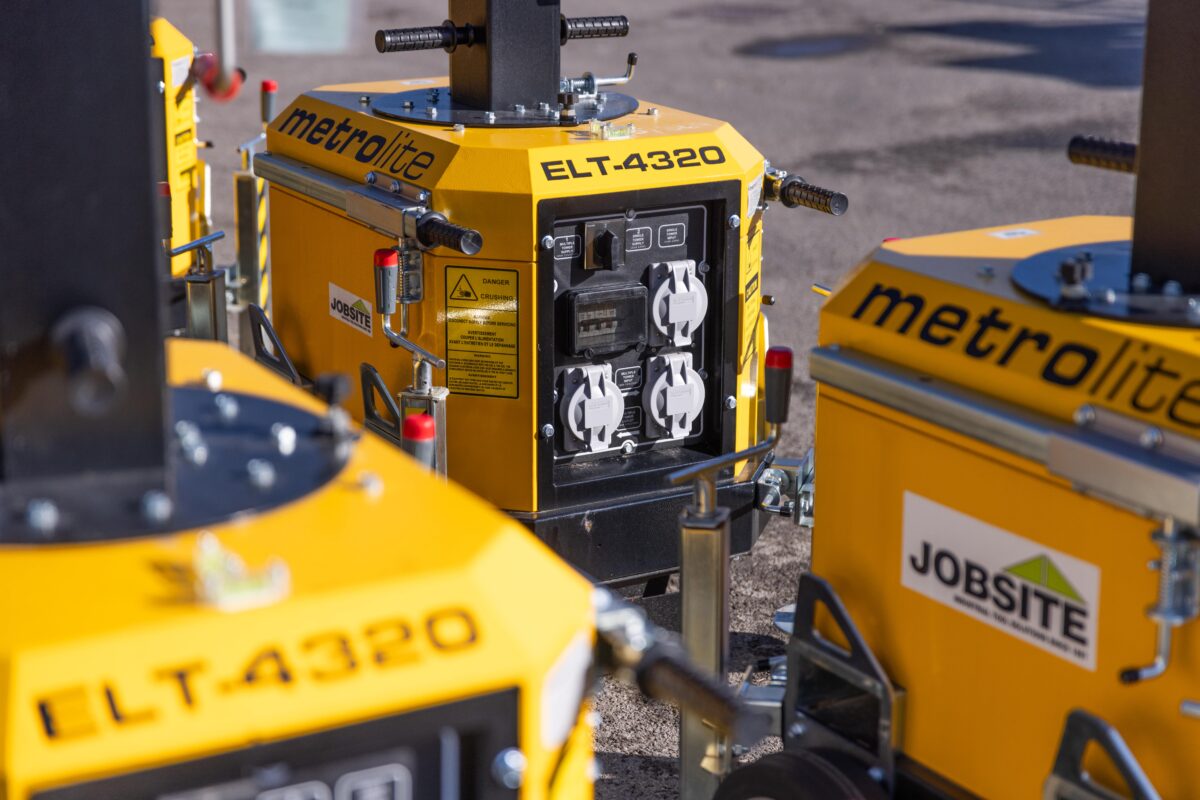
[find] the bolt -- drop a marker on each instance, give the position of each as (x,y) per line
(227,407)
(285,438)
(508,768)
(1172,289)
(547,242)
(520,109)
(261,472)
(1085,416)
(162,87)
(364,99)
(628,446)
(1110,296)
(877,774)
(371,178)
(42,515)
(408,104)
(490,117)
(735,222)
(1151,438)
(459,127)
(156,507)
(796,729)
(394,186)
(731,402)
(543,107)
(1140,283)
(212,379)
(431,111)
(547,431)
(739,750)
(987,272)
(372,484)
(652,111)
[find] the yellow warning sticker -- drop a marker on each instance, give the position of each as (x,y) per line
(482,324)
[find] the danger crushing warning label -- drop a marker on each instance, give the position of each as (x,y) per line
(482,321)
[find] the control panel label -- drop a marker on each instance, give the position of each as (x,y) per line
(672,235)
(628,378)
(566,247)
(482,325)
(1031,592)
(638,239)
(631,420)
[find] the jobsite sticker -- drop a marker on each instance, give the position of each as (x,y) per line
(482,323)
(350,309)
(1036,594)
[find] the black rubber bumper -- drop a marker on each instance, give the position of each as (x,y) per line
(635,539)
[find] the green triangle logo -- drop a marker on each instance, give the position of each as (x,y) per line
(1041,570)
(361,306)
(463,290)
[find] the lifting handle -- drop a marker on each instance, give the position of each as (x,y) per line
(1092,151)
(593,27)
(434,229)
(445,36)
(795,192)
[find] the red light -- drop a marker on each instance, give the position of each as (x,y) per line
(418,427)
(270,86)
(779,358)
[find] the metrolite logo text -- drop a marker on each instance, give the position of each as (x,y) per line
(350,309)
(1033,593)
(398,155)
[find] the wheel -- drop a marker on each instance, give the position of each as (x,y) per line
(801,775)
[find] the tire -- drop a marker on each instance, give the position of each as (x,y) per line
(801,775)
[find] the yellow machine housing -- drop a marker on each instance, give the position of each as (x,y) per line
(674,187)
(186,172)
(987,502)
(126,683)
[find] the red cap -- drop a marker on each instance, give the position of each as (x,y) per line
(270,86)
(387,257)
(418,427)
(779,358)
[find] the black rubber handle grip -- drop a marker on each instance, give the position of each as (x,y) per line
(435,230)
(795,192)
(401,40)
(1092,151)
(593,27)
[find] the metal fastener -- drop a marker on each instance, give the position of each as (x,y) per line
(1151,438)
(42,515)
(490,116)
(1173,289)
(652,111)
(261,473)
(520,109)
(547,242)
(371,177)
(364,99)
(735,222)
(394,186)
(459,127)
(1085,415)
(213,379)
(157,507)
(731,402)
(285,438)
(372,484)
(627,446)
(227,407)
(547,431)
(508,768)
(408,104)
(1140,283)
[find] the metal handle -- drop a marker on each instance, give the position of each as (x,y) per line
(593,27)
(434,229)
(1092,151)
(666,674)
(795,192)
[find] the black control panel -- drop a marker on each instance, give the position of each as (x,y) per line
(634,294)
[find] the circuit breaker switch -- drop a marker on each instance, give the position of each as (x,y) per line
(675,398)
(680,301)
(592,408)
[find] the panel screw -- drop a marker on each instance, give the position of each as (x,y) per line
(731,402)
(490,116)
(261,472)
(1085,415)
(735,222)
(156,507)
(162,87)
(652,111)
(1172,289)
(508,768)
(408,104)
(459,127)
(797,729)
(372,484)
(364,99)
(520,109)
(547,242)
(1151,438)
(547,431)
(285,438)
(42,515)
(394,186)
(227,407)
(212,379)
(1140,283)
(371,178)
(627,446)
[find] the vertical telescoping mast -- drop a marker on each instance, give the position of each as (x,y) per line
(82,408)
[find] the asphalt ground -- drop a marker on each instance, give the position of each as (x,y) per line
(931,115)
